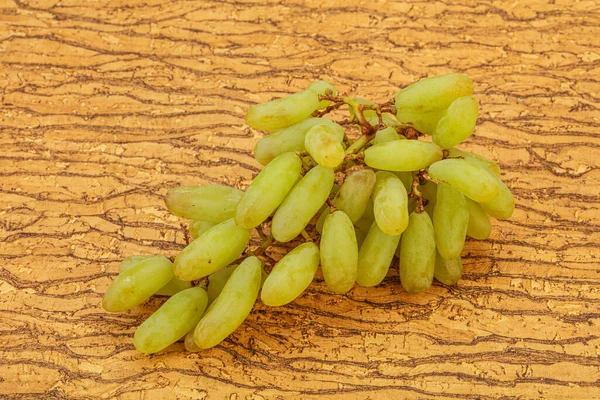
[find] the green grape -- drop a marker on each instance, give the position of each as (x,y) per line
(324,147)
(388,120)
(302,203)
(211,203)
(232,306)
(472,180)
(386,135)
(457,123)
(197,228)
(429,193)
(291,139)
(215,249)
(175,285)
(422,122)
(291,275)
(448,272)
(474,158)
(171,321)
(450,221)
(189,343)
(406,178)
(417,254)
(402,155)
(137,283)
(321,220)
(375,256)
(365,222)
(217,280)
(390,203)
(320,88)
(503,205)
(354,194)
(398,248)
(339,252)
(281,113)
(361,235)
(434,94)
(480,226)
(268,190)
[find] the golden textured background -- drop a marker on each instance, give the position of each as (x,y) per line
(106,104)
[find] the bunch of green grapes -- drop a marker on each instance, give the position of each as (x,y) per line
(347,205)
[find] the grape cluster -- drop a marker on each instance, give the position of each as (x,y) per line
(363,201)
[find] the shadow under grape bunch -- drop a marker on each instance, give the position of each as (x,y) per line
(390,192)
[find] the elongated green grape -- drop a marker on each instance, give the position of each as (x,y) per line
(448,272)
(429,192)
(211,203)
(402,155)
(474,158)
(323,146)
(189,343)
(320,88)
(450,221)
(423,122)
(215,249)
(365,222)
(375,256)
(302,203)
(480,226)
(171,321)
(386,135)
(291,139)
(503,205)
(434,94)
(339,252)
(217,280)
(406,178)
(354,194)
(457,123)
(281,113)
(417,254)
(390,203)
(472,180)
(291,275)
(232,306)
(268,190)
(197,228)
(137,283)
(175,285)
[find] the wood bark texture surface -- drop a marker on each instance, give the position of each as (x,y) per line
(107,104)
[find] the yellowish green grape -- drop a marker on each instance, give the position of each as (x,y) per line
(402,155)
(390,203)
(137,283)
(386,135)
(171,321)
(474,158)
(450,221)
(232,306)
(375,256)
(406,178)
(339,252)
(423,122)
(281,113)
(217,280)
(429,192)
(268,190)
(365,222)
(480,226)
(215,249)
(354,194)
(197,228)
(175,285)
(302,203)
(361,235)
(417,254)
(291,275)
(503,205)
(434,94)
(448,272)
(472,180)
(323,146)
(189,343)
(213,203)
(291,139)
(320,88)
(458,122)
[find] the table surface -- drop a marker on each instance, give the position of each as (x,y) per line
(108,104)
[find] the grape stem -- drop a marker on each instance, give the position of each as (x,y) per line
(306,236)
(264,245)
(415,192)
